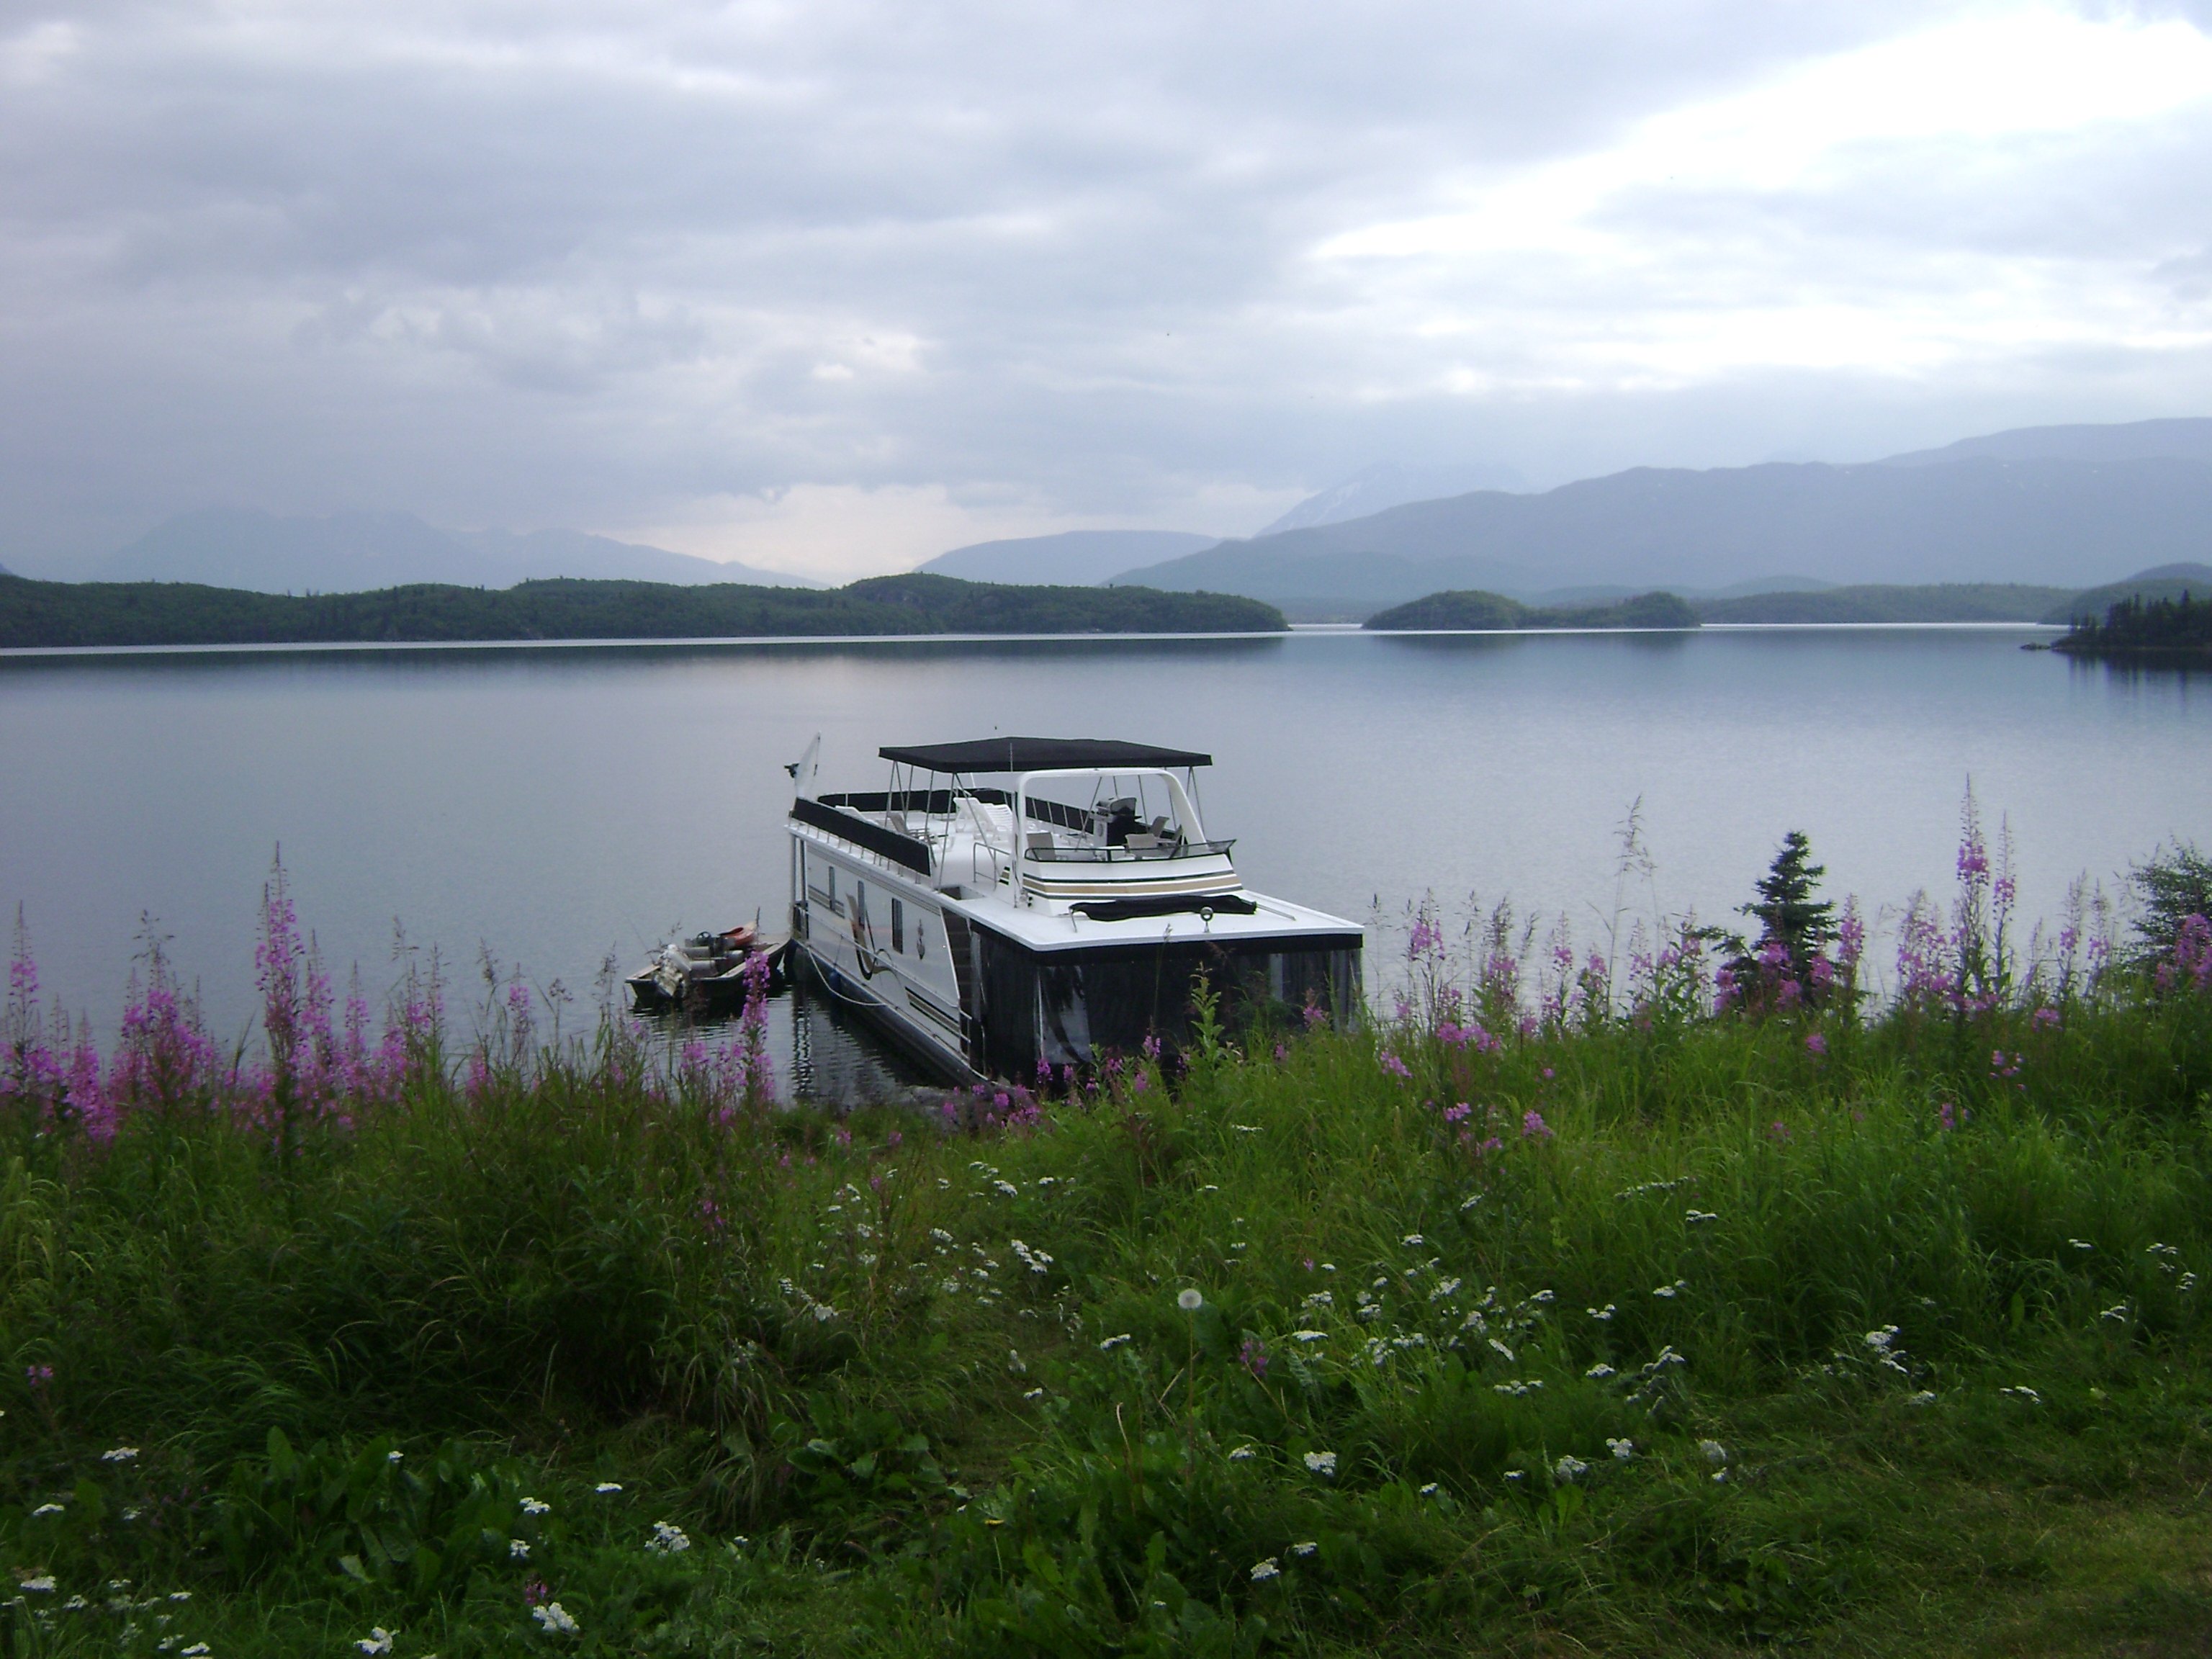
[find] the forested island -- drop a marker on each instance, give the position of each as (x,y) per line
(45,613)
(2176,628)
(1472,608)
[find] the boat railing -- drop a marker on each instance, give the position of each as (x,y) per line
(1168,848)
(985,853)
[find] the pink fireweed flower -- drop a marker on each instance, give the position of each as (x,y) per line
(2045,1019)
(1395,1066)
(1454,1113)
(1253,1356)
(1815,1044)
(1532,1126)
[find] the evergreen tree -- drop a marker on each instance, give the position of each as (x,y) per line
(1787,910)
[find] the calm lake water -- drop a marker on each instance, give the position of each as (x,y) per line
(557,805)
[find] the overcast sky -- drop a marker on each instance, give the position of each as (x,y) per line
(834,286)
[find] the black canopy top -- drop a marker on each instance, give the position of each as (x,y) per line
(1039,755)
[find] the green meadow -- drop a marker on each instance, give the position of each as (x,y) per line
(1560,1311)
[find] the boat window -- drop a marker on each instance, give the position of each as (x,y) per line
(898,926)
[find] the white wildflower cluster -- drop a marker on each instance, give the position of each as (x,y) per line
(1878,1357)
(1469,1202)
(518,1549)
(606,1487)
(1569,1468)
(554,1620)
(668,1538)
(1113,1342)
(1603,1314)
(1319,1299)
(120,1454)
(1243,1453)
(822,1312)
(1518,1386)
(1309,1336)
(1300,1551)
(1036,1261)
(2022,1393)
(1623,1451)
(536,1506)
(1646,1384)
(1650,1186)
(1322,1463)
(2117,1311)
(1668,1292)
(1698,1217)
(1378,1350)
(377,1641)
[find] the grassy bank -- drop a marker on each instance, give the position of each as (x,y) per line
(46,614)
(1585,1305)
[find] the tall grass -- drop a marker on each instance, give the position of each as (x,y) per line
(1667,1314)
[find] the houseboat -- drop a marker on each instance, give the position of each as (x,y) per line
(1015,904)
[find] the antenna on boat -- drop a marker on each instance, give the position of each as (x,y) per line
(810,762)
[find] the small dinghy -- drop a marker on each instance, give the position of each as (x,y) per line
(704,974)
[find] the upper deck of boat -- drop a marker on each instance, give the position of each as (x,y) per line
(1058,841)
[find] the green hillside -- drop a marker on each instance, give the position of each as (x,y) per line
(2167,581)
(1472,608)
(1941,602)
(41,613)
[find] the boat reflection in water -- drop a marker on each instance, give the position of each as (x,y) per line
(1014,904)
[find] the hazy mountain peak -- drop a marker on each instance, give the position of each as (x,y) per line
(534,554)
(2180,439)
(1080,558)
(353,552)
(1388,484)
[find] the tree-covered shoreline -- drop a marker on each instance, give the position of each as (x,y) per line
(34,614)
(2178,628)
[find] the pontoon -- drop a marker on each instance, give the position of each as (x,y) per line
(1017,903)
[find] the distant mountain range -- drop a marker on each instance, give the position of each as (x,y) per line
(1085,557)
(356,552)
(2063,507)
(1379,487)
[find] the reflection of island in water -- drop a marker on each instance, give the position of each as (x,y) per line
(2166,632)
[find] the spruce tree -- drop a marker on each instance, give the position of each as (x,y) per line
(1788,911)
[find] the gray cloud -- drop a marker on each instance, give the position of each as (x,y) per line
(726,270)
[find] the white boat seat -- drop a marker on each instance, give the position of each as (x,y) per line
(1040,841)
(1142,841)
